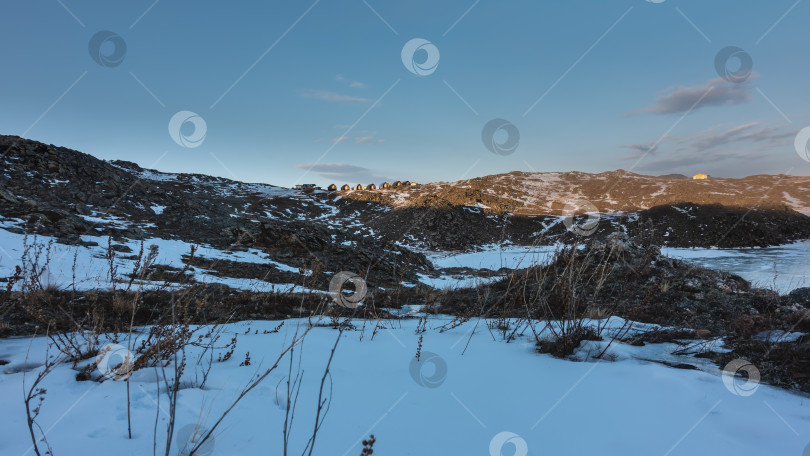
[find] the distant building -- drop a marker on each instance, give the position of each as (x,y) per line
(700,176)
(345,187)
(406,184)
(306,187)
(414,184)
(386,185)
(359,187)
(332,188)
(371,187)
(397,184)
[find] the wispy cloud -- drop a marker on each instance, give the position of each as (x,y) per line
(342,172)
(325,95)
(350,83)
(368,140)
(638,150)
(358,140)
(368,137)
(716,92)
(715,162)
(751,131)
(746,143)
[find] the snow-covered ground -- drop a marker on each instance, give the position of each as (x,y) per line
(494,258)
(92,268)
(471,393)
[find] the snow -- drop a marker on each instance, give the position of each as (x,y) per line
(493,258)
(106,219)
(155,175)
(92,269)
(265,190)
(157,209)
(470,393)
(778,335)
(451,281)
(683,211)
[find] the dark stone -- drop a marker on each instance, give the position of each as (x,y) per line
(800,296)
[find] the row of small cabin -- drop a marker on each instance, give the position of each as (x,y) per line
(385,185)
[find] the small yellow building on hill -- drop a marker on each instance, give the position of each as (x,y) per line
(700,176)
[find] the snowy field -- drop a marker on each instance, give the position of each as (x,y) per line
(92,269)
(471,394)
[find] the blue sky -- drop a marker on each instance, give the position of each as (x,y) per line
(302,91)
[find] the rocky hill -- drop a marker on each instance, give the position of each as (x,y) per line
(533,194)
(65,193)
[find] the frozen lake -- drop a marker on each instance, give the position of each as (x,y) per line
(782,268)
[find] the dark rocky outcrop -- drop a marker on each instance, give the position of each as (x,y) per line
(619,277)
(715,225)
(800,296)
